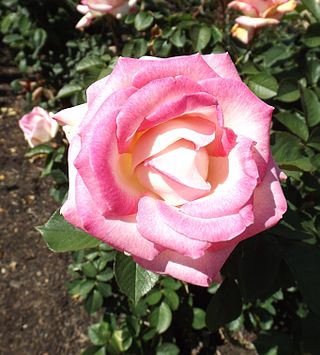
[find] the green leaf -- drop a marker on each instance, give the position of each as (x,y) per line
(140,47)
(142,21)
(88,62)
(178,38)
(120,341)
(39,149)
(61,236)
(105,289)
(153,297)
(274,343)
(311,106)
(171,298)
(133,280)
(313,71)
(68,90)
(224,306)
(276,53)
(311,334)
(313,6)
(39,37)
(99,333)
(89,270)
(199,318)
(94,302)
(288,91)
(312,37)
(106,275)
(256,278)
(200,36)
(161,318)
(263,85)
(169,282)
(81,288)
(304,263)
(167,349)
(295,123)
(289,153)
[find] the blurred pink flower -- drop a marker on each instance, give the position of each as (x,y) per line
(95,8)
(38,126)
(258,13)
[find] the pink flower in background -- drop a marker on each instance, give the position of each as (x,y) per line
(95,8)
(38,126)
(258,13)
(170,162)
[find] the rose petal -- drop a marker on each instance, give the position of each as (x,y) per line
(72,116)
(159,92)
(189,127)
(256,22)
(120,233)
(192,66)
(242,33)
(100,167)
(245,114)
(222,65)
(233,179)
(69,208)
(201,271)
(248,9)
(212,230)
(151,227)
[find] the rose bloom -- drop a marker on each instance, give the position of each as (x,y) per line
(170,162)
(95,8)
(38,126)
(258,13)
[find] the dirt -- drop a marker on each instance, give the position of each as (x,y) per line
(37,316)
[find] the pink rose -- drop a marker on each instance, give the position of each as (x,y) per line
(38,126)
(258,13)
(170,162)
(95,8)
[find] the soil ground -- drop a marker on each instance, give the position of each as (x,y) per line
(37,316)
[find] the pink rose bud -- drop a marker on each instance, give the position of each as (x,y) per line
(38,126)
(170,162)
(95,8)
(258,13)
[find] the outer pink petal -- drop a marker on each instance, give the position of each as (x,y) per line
(201,271)
(245,114)
(211,230)
(222,65)
(71,116)
(233,178)
(256,22)
(103,8)
(192,66)
(152,227)
(100,168)
(247,8)
(269,203)
(197,103)
(167,98)
(83,9)
(69,208)
(119,79)
(85,21)
(120,233)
